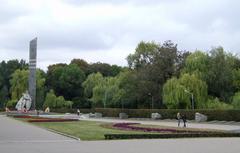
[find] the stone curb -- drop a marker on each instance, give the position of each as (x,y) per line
(51,130)
(63,134)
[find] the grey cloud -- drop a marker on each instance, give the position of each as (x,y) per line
(87,38)
(190,23)
(9,12)
(201,16)
(116,2)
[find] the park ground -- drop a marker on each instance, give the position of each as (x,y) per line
(16,136)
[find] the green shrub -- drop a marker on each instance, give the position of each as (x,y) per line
(221,115)
(11,104)
(236,101)
(67,110)
(169,135)
(55,102)
(216,104)
(144,113)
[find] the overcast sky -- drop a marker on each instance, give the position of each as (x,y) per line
(109,30)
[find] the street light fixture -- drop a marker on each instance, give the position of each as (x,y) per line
(151,98)
(185,90)
(105,99)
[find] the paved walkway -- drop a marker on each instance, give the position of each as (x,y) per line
(216,125)
(14,131)
(16,136)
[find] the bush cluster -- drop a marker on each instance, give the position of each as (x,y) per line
(67,110)
(169,135)
(52,120)
(221,115)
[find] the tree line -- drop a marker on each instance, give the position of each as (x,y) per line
(157,76)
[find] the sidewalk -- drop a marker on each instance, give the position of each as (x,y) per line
(17,136)
(172,123)
(12,130)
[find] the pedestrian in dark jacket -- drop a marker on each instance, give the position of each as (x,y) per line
(184,118)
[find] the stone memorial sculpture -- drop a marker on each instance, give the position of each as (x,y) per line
(123,115)
(200,117)
(24,102)
(156,116)
(98,115)
(32,71)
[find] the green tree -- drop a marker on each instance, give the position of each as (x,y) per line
(41,88)
(128,83)
(143,56)
(53,77)
(107,93)
(99,93)
(105,69)
(236,100)
(154,65)
(6,70)
(236,79)
(217,104)
(19,84)
(115,70)
(220,76)
(50,100)
(82,64)
(92,80)
(218,69)
(3,96)
(197,63)
(70,81)
(66,80)
(177,92)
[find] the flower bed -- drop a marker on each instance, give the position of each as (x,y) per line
(130,126)
(22,116)
(169,135)
(52,120)
(43,119)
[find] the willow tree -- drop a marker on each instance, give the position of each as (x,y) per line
(108,93)
(177,92)
(197,63)
(19,84)
(92,80)
(173,94)
(236,100)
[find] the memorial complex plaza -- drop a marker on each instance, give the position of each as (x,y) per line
(132,76)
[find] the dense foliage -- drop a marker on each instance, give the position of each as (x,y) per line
(157,76)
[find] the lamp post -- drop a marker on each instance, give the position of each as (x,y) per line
(151,99)
(105,99)
(122,104)
(185,90)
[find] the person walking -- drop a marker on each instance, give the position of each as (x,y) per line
(184,118)
(179,118)
(78,112)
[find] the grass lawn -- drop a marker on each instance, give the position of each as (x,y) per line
(92,130)
(179,128)
(85,130)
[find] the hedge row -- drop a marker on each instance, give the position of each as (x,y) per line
(171,135)
(52,120)
(65,110)
(221,115)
